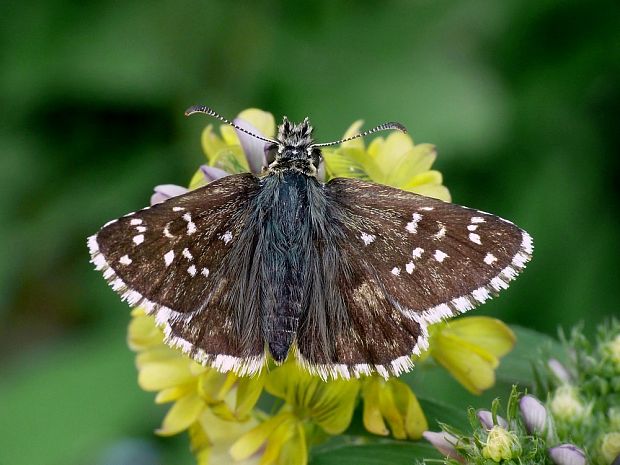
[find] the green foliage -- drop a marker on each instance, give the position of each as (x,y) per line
(585,401)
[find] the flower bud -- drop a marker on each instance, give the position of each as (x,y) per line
(211,173)
(567,454)
(610,446)
(559,370)
(534,414)
(165,192)
(566,405)
(501,445)
(486,420)
(444,443)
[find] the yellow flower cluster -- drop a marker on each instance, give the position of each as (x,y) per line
(219,409)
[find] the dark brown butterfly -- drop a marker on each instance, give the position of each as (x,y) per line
(347,275)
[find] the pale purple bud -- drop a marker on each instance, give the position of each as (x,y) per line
(534,414)
(165,192)
(567,454)
(444,443)
(486,420)
(211,173)
(559,370)
(253,148)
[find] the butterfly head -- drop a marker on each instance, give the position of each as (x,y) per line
(294,148)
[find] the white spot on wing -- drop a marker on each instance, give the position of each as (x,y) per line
(191,227)
(417,252)
(442,231)
(167,231)
(410,267)
(367,238)
(169,257)
(472,227)
(412,226)
(177,209)
(187,254)
(205,272)
(395,271)
(226,237)
(440,256)
(427,209)
(135,221)
(125,260)
(192,270)
(489,258)
(141,229)
(139,239)
(475,238)
(477,219)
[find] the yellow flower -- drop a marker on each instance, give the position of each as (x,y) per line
(392,401)
(394,161)
(470,349)
(501,445)
(198,394)
(281,438)
(212,438)
(309,401)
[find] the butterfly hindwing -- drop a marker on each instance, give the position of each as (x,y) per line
(179,260)
(405,261)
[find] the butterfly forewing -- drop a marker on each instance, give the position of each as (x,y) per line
(177,260)
(407,261)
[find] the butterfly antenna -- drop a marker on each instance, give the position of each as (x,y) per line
(382,127)
(210,112)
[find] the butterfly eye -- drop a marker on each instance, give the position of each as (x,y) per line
(315,156)
(271,150)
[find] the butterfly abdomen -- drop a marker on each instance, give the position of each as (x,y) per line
(286,229)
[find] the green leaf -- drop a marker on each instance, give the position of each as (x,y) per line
(386,452)
(531,347)
(438,411)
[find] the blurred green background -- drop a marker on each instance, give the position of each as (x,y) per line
(522,99)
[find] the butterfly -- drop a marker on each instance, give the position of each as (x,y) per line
(346,275)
